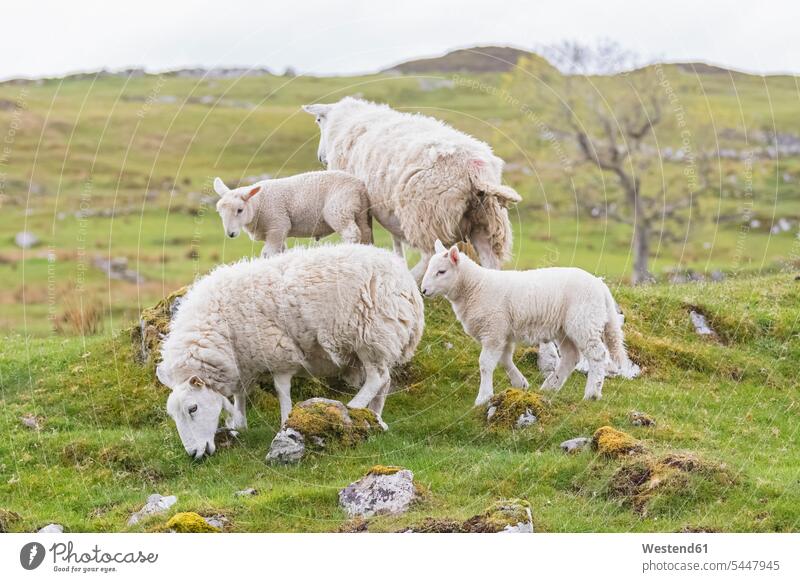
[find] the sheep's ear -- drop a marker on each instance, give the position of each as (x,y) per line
(453,254)
(317,109)
(439,247)
(220,187)
(252,192)
(196,382)
(163,375)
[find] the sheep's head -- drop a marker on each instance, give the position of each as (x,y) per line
(320,112)
(196,408)
(235,207)
(442,272)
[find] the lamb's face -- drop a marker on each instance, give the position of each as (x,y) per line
(320,112)
(235,207)
(442,271)
(196,409)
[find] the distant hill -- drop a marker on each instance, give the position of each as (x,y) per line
(481,59)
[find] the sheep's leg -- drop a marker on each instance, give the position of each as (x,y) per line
(283,386)
(397,245)
(378,402)
(569,358)
(418,272)
(364,220)
(376,378)
(351,233)
(548,358)
(514,375)
(238,420)
(596,355)
(480,240)
(488,362)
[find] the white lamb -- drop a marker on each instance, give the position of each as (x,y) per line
(350,310)
(312,204)
(425,179)
(499,308)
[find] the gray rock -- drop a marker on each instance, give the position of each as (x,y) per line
(701,324)
(575,445)
(379,493)
(31,421)
(155,504)
(288,446)
(52,528)
(217,521)
(26,240)
(526,419)
(246,492)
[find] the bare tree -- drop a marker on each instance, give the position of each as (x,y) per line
(612,121)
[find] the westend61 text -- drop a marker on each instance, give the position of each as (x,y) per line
(675,549)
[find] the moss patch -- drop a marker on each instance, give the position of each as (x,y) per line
(8,519)
(189,522)
(611,442)
(384,470)
(497,517)
(674,476)
(510,404)
(153,326)
(324,422)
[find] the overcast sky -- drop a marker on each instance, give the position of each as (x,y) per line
(54,37)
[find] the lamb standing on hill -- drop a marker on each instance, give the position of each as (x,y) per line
(499,308)
(425,180)
(311,204)
(327,311)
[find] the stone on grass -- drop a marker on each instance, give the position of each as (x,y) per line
(288,446)
(514,408)
(26,240)
(321,423)
(52,528)
(246,492)
(155,504)
(575,445)
(611,442)
(31,421)
(700,324)
(383,490)
(641,418)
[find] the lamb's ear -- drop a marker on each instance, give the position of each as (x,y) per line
(438,247)
(317,109)
(196,382)
(454,255)
(220,187)
(252,192)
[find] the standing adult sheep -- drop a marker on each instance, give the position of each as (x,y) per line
(349,309)
(425,179)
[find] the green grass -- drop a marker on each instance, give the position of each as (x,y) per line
(106,442)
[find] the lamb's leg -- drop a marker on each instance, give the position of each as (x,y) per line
(548,358)
(596,354)
(418,272)
(351,233)
(397,245)
(488,362)
(376,378)
(480,240)
(569,357)
(364,220)
(283,386)
(514,375)
(275,243)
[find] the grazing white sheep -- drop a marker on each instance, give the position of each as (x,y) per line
(500,308)
(350,310)
(311,204)
(425,179)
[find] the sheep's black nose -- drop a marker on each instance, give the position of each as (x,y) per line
(232,234)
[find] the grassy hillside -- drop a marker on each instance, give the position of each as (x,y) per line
(106,443)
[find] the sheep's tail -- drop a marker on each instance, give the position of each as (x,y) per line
(490,210)
(612,334)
